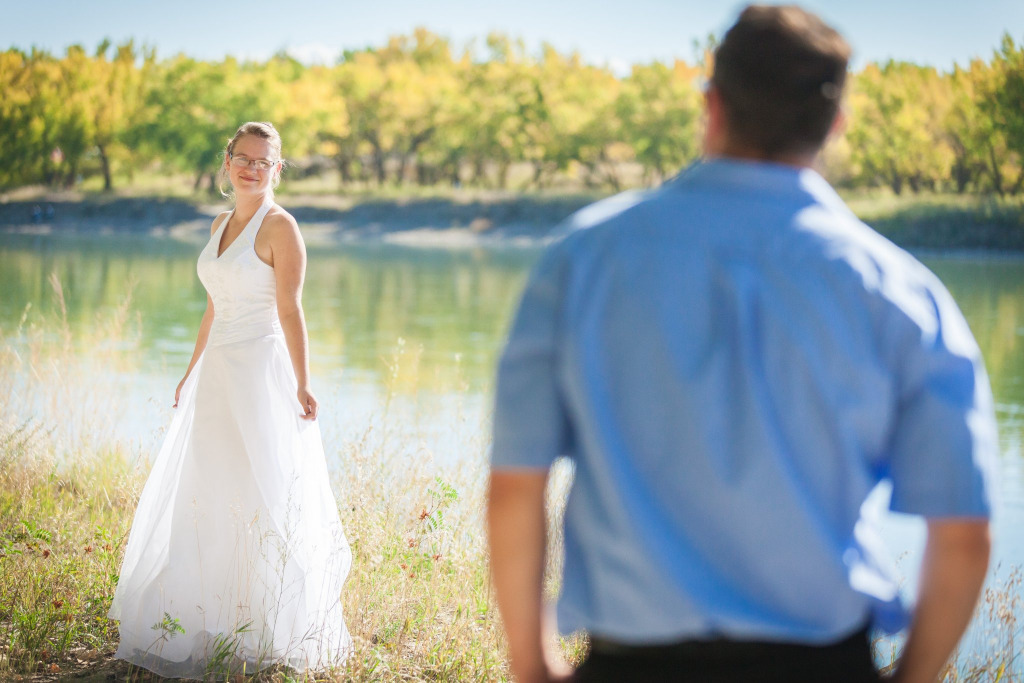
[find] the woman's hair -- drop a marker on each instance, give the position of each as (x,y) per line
(260,129)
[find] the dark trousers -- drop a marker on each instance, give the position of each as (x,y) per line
(731,661)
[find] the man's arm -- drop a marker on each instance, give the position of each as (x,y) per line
(531,429)
(518,537)
(955,561)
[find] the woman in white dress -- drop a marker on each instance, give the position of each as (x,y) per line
(236,556)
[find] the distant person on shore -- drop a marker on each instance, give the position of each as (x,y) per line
(732,362)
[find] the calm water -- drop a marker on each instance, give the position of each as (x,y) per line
(410,337)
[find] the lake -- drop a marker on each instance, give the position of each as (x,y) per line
(406,340)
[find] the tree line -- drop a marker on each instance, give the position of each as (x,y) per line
(417,110)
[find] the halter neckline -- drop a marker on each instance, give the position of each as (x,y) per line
(257,218)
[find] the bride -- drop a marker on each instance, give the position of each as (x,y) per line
(236,556)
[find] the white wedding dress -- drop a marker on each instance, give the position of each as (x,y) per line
(236,556)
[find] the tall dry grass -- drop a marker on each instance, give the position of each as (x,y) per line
(67,490)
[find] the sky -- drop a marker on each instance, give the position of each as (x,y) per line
(616,34)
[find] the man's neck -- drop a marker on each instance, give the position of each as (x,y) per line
(742,153)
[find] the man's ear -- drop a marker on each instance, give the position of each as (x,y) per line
(838,123)
(714,114)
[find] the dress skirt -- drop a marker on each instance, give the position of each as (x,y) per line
(236,557)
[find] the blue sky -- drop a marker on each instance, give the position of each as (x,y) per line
(937,32)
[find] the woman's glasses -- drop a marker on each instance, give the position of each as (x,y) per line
(241,161)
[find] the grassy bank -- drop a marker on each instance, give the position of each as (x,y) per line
(364,215)
(944,221)
(417,603)
(931,221)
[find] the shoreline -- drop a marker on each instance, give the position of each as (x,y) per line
(436,222)
(463,220)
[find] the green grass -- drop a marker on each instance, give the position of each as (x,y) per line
(418,607)
(61,533)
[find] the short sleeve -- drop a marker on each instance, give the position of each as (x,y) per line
(944,445)
(531,426)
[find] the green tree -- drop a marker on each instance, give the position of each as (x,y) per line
(896,130)
(19,130)
(1003,103)
(116,99)
(396,97)
(660,107)
(504,102)
(559,119)
(415,109)
(191,109)
(979,146)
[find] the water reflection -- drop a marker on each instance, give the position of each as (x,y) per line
(990,291)
(449,308)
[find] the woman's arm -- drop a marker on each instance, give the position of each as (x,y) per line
(201,338)
(204,326)
(289,260)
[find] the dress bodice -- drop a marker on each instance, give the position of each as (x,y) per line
(242,287)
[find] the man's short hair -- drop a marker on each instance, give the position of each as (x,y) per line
(780,73)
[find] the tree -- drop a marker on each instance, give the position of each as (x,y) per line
(116,99)
(414,109)
(19,132)
(192,108)
(979,147)
(1003,102)
(896,130)
(504,104)
(396,97)
(660,109)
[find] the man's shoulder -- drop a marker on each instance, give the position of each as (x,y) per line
(604,211)
(839,251)
(611,218)
(842,236)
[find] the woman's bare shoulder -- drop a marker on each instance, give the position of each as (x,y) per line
(280,224)
(218,220)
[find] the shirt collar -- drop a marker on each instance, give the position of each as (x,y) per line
(758,176)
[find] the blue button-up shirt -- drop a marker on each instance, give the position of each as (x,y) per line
(732,362)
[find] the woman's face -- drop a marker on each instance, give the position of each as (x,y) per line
(249,179)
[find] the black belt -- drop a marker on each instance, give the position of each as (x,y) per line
(715,648)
